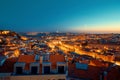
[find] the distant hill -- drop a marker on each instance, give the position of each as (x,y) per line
(6,33)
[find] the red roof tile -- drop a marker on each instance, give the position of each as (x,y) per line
(92,72)
(56,58)
(114,73)
(27,59)
(8,66)
(98,63)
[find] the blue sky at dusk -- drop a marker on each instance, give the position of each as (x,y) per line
(62,15)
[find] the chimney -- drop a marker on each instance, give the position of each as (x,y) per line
(41,59)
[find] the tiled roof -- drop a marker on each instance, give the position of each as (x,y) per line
(98,63)
(8,65)
(92,73)
(56,58)
(114,73)
(27,59)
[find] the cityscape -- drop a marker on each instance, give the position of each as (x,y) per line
(59,40)
(59,56)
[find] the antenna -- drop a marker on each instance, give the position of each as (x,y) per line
(57,31)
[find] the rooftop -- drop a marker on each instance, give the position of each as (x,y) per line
(56,58)
(27,59)
(8,65)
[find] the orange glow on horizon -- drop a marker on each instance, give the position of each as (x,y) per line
(101,28)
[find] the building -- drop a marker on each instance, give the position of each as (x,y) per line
(37,67)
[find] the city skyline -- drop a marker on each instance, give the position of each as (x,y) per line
(61,15)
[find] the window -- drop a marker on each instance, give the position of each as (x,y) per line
(19,70)
(34,70)
(61,69)
(46,69)
(81,66)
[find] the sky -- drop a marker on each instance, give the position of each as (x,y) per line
(61,15)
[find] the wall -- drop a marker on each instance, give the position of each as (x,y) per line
(39,77)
